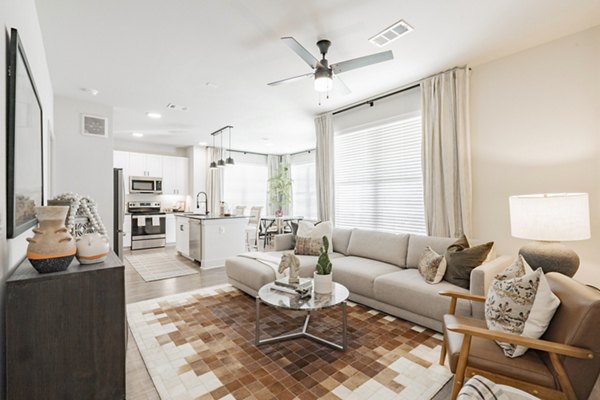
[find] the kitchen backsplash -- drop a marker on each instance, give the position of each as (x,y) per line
(167,201)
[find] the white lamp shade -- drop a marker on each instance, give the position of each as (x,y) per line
(553,217)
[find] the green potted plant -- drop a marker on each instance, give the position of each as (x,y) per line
(280,189)
(322,276)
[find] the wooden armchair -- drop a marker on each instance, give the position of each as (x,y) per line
(563,364)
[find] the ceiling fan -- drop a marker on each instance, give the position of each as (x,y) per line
(324,74)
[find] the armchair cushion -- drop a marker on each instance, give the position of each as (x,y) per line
(486,355)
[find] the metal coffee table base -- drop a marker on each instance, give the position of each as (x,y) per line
(304,333)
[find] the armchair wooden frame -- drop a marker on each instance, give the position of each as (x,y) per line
(553,349)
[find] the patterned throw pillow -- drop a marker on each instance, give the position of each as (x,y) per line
(480,388)
(308,230)
(520,301)
(307,246)
(432,266)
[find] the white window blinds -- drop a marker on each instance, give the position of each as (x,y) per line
(378,177)
(304,189)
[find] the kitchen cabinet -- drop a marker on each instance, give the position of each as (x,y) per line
(171,229)
(127,231)
(145,164)
(173,170)
(211,240)
(175,175)
(182,235)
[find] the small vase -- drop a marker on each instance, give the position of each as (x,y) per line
(92,248)
(322,283)
(52,247)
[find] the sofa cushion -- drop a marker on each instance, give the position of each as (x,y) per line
(249,272)
(358,274)
(418,243)
(406,289)
(341,239)
(381,246)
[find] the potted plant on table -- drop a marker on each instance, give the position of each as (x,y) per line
(322,276)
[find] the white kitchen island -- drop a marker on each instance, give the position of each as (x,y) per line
(210,240)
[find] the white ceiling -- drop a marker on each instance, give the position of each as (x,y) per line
(143,54)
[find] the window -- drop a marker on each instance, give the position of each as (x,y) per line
(378,178)
(245,184)
(304,189)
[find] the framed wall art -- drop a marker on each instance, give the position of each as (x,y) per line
(24,142)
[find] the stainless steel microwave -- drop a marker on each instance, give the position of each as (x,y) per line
(145,184)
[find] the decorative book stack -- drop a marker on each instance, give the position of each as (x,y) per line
(304,287)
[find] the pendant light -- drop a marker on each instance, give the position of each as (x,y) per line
(221,162)
(213,165)
(229,159)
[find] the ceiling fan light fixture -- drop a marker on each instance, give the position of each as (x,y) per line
(323,84)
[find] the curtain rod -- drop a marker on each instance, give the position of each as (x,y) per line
(303,151)
(383,96)
(371,101)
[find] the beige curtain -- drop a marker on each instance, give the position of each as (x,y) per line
(214,181)
(324,165)
(447,153)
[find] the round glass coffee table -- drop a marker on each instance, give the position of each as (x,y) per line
(275,298)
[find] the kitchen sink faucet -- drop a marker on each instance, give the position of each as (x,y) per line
(205,202)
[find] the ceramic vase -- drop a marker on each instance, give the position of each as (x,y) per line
(92,248)
(52,247)
(322,283)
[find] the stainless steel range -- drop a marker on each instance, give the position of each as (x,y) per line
(148,225)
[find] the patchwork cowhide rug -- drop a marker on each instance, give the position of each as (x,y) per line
(200,345)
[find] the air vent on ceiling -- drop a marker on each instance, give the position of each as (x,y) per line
(390,34)
(172,106)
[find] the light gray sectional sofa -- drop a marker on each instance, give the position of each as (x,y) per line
(380,271)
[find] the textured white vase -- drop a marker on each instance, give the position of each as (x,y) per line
(322,283)
(92,248)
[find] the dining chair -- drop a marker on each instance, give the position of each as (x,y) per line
(253,228)
(239,210)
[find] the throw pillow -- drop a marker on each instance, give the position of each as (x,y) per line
(307,246)
(461,258)
(311,231)
(480,388)
(432,266)
(520,301)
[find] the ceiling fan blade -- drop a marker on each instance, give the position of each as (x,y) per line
(301,51)
(288,80)
(360,62)
(339,87)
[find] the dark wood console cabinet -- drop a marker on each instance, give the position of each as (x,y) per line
(66,332)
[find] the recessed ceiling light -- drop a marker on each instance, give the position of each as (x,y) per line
(211,85)
(137,134)
(153,115)
(389,34)
(202,144)
(93,92)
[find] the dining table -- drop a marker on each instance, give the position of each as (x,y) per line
(271,225)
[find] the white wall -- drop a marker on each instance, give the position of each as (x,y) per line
(84,164)
(22,15)
(535,126)
(198,166)
(140,146)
